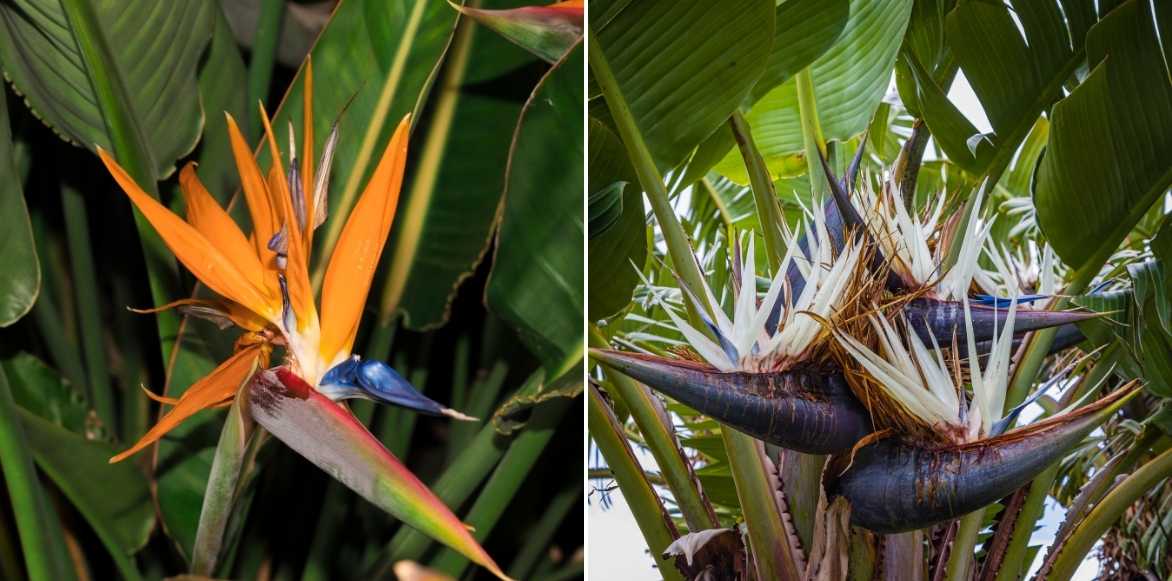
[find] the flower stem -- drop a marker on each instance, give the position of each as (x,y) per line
(660,440)
(1107,512)
(657,527)
(41,537)
(812,139)
(85,285)
(764,196)
(960,557)
(770,543)
(649,177)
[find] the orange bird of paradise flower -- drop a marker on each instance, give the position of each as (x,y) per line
(263,279)
(264,288)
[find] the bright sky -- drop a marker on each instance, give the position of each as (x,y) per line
(615,547)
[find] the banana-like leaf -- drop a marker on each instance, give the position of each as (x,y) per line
(114,499)
(79,63)
(849,80)
(222,79)
(536,279)
(331,438)
(803,31)
(1110,149)
(383,55)
(42,391)
(22,273)
(447,214)
(546,31)
(1017,58)
(682,87)
(398,47)
(615,253)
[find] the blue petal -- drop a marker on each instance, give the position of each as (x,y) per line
(384,384)
(1004,302)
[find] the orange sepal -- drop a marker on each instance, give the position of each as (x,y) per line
(217,226)
(355,258)
(199,255)
(236,314)
(214,389)
(256,195)
(297,270)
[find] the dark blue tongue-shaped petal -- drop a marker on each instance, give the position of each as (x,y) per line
(896,485)
(377,381)
(1066,336)
(804,409)
(933,318)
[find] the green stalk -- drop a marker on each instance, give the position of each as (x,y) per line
(1039,488)
(1107,512)
(264,51)
(134,411)
(133,154)
(805,475)
(801,479)
(51,324)
(812,139)
(506,480)
(648,174)
(85,285)
(484,393)
(539,535)
(960,557)
(659,439)
(657,527)
(1038,345)
(220,495)
(41,537)
(772,550)
(764,196)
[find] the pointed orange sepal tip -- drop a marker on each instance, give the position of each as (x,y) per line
(356,254)
(159,398)
(194,250)
(297,272)
(213,389)
(211,220)
(256,194)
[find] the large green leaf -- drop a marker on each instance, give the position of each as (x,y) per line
(683,67)
(22,273)
(536,280)
(1110,148)
(383,55)
(139,54)
(849,80)
(617,252)
(1016,57)
(42,391)
(444,225)
(222,79)
(113,498)
(803,31)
